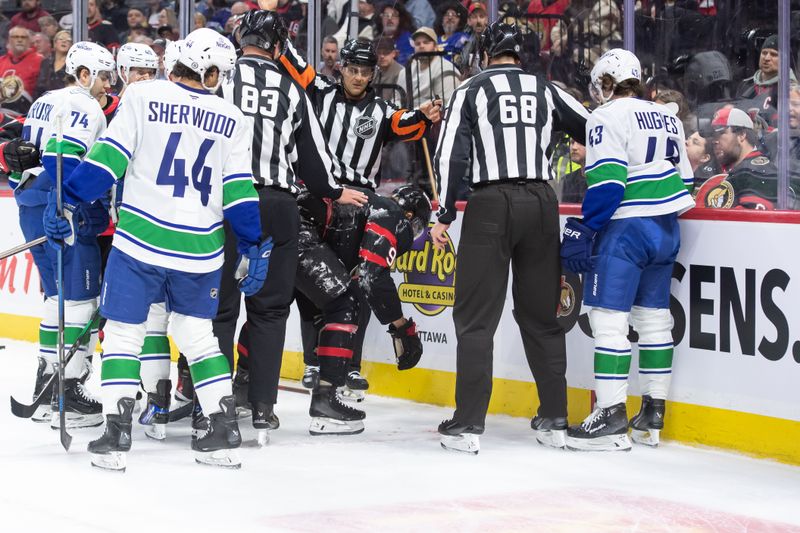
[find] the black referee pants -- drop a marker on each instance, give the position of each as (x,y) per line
(516,223)
(267,310)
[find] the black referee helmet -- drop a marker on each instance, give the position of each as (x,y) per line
(413,200)
(502,38)
(263,29)
(358,52)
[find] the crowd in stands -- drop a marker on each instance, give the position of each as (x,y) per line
(703,56)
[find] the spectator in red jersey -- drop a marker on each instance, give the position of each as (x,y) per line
(543,26)
(29,16)
(21,62)
(101,31)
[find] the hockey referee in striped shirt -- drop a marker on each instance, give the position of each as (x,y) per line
(500,123)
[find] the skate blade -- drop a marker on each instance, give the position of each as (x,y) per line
(113,461)
(651,437)
(156,431)
(556,438)
(42,415)
(464,443)
(221,458)
(608,443)
(77,421)
(331,426)
(349,395)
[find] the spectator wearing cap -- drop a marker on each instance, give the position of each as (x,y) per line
(765,79)
(396,23)
(53,69)
(430,76)
(752,180)
(22,64)
(66,22)
(137,25)
(101,31)
(388,68)
(49,26)
(159,46)
(478,18)
(421,12)
(329,65)
(116,12)
(167,24)
(450,28)
(29,16)
(366,20)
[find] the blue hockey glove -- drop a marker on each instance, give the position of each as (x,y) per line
(90,219)
(576,247)
(59,230)
(253,266)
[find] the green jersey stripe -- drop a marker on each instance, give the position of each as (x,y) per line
(170,238)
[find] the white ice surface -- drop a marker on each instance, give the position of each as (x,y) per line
(393,477)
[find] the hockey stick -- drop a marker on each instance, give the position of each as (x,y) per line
(26,411)
(22,247)
(66,438)
(430,169)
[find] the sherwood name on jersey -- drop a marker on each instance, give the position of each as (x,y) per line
(195,116)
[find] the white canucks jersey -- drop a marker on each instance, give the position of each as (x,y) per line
(640,146)
(185,155)
(82,122)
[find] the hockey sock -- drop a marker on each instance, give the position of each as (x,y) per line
(154,356)
(210,370)
(335,351)
(76,315)
(655,350)
(612,355)
(119,374)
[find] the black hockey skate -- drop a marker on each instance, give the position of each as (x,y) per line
(155,415)
(184,392)
(264,421)
(354,386)
(646,426)
(108,452)
(82,409)
(606,429)
(241,385)
(460,437)
(329,416)
(44,411)
(550,431)
(199,420)
(216,446)
(311,377)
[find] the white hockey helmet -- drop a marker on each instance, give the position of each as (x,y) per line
(620,65)
(135,55)
(172,53)
(204,48)
(94,57)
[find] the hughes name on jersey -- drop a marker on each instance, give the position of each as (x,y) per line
(175,194)
(636,163)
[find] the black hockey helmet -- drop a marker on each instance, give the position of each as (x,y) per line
(263,29)
(502,38)
(358,52)
(413,200)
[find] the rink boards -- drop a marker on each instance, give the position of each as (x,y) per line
(736,305)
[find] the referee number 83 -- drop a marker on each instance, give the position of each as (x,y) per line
(515,109)
(265,104)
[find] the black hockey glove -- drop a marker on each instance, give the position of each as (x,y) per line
(18,156)
(407,346)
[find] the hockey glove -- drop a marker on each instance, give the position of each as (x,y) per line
(576,248)
(59,229)
(18,156)
(253,266)
(407,346)
(90,219)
